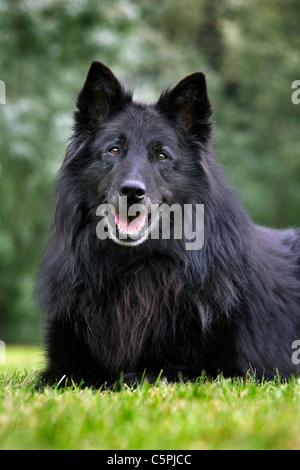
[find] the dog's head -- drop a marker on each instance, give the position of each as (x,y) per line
(139,158)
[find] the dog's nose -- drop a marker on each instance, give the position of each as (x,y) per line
(134,190)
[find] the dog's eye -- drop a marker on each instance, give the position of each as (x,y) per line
(114,151)
(161,156)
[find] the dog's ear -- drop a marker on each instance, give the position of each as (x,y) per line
(101,95)
(188,103)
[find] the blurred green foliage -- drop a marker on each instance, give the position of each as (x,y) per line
(249,51)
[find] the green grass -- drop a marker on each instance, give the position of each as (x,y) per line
(218,414)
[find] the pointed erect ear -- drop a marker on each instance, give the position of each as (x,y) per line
(188,104)
(101,95)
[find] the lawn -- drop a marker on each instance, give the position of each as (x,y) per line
(220,414)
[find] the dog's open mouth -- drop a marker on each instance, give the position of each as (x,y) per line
(130,227)
(127,225)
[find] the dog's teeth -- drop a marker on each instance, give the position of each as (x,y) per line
(128,231)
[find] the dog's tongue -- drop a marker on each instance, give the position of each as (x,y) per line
(130,224)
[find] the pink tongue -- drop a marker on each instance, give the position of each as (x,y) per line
(130,224)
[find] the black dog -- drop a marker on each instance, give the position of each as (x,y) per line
(119,300)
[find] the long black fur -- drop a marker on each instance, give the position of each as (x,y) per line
(232,306)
